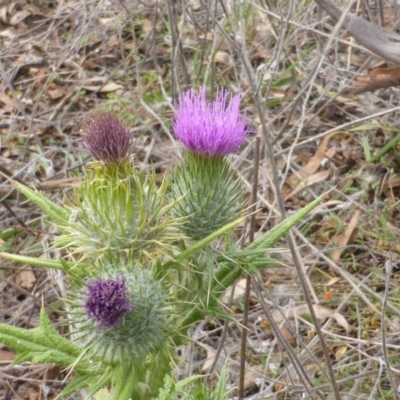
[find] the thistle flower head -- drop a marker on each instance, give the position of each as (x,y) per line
(125,314)
(214,129)
(107,301)
(107,139)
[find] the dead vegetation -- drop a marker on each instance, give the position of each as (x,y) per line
(328,112)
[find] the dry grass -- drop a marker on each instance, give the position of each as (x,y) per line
(62,60)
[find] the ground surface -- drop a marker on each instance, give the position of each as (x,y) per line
(62,60)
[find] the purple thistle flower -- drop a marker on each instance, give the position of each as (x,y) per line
(214,129)
(107,139)
(107,302)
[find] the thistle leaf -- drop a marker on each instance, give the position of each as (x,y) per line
(171,388)
(39,345)
(202,243)
(56,213)
(84,380)
(125,383)
(79,382)
(61,265)
(268,239)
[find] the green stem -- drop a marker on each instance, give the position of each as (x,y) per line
(385,149)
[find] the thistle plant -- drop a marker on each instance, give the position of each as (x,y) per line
(142,259)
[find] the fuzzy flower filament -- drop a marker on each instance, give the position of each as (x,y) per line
(214,129)
(106,138)
(107,301)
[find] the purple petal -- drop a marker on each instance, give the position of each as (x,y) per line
(107,301)
(210,129)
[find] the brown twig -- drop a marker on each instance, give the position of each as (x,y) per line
(374,38)
(245,322)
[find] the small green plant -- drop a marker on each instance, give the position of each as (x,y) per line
(55,78)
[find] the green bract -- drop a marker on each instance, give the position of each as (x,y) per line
(121,210)
(211,194)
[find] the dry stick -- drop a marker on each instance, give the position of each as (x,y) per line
(139,89)
(306,28)
(7,84)
(203,47)
(388,272)
(381,17)
(245,322)
(50,77)
(380,42)
(283,342)
(300,343)
(165,129)
(176,48)
(371,372)
(11,211)
(149,48)
(223,335)
(351,280)
(308,86)
(138,86)
(291,107)
(346,125)
(279,47)
(355,285)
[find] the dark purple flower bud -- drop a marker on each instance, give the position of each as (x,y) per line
(107,139)
(107,301)
(214,129)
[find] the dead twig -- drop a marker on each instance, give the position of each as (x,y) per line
(374,38)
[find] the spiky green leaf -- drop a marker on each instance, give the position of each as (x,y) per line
(39,345)
(56,213)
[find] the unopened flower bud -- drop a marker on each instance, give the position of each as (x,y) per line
(107,139)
